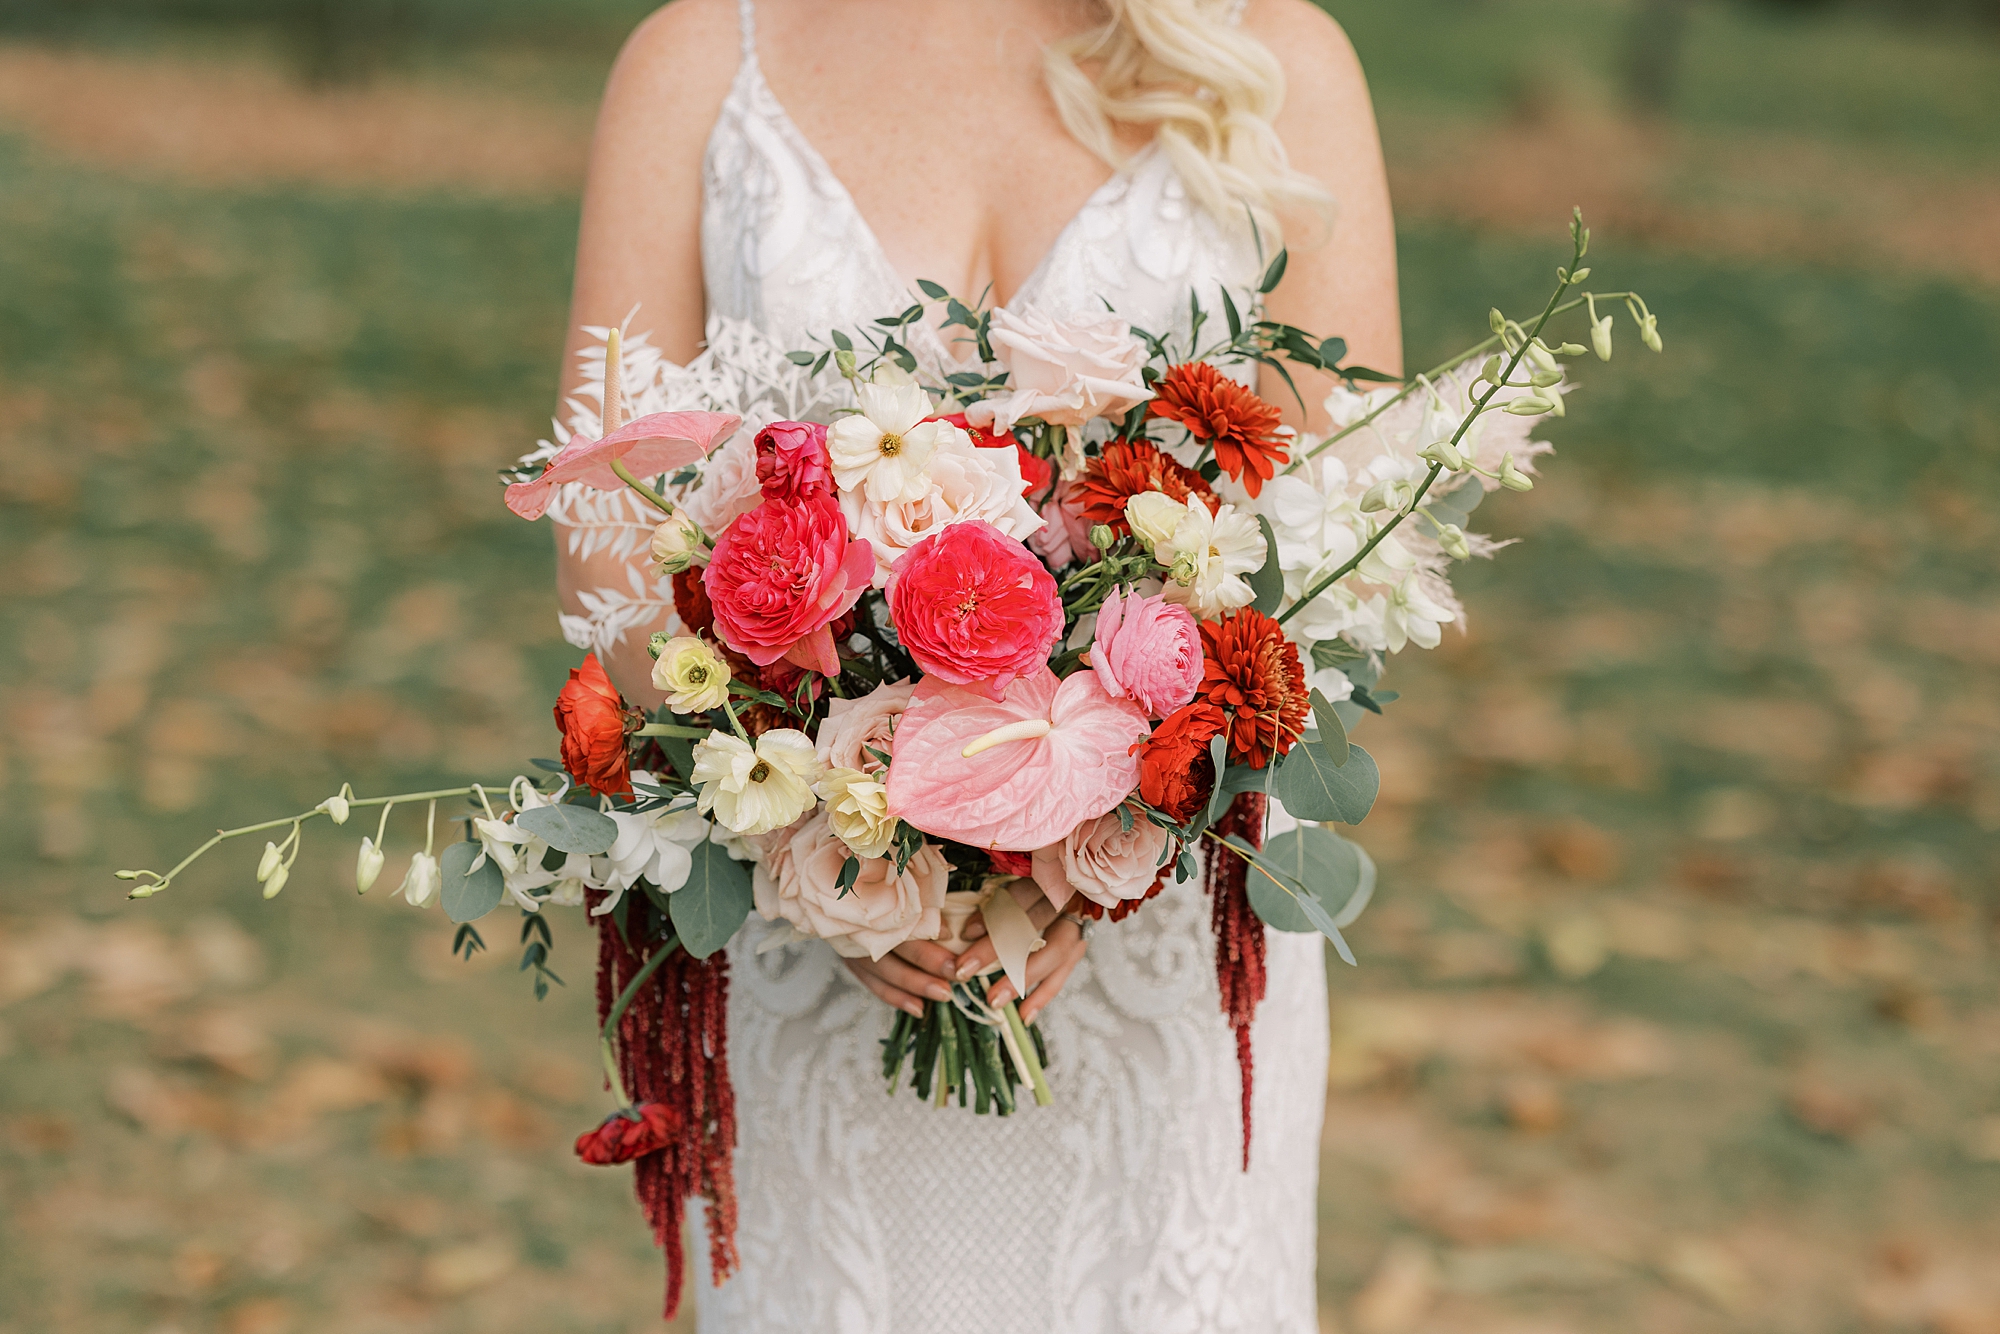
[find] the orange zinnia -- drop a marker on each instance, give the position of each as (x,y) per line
(1128,468)
(1252,673)
(1218,411)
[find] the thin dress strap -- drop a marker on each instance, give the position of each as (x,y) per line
(746,19)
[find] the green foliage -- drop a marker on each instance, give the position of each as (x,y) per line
(1315,786)
(469,893)
(716,898)
(571,828)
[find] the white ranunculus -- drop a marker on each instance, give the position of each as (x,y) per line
(1211,554)
(755,789)
(884,449)
(962,482)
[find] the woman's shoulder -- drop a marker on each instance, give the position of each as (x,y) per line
(1307,40)
(676,66)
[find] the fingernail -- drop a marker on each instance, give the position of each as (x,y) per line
(939,992)
(915,1009)
(966,970)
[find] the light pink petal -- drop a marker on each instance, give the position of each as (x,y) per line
(650,445)
(1019,795)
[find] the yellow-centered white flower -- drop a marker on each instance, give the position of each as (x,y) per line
(857,809)
(755,789)
(694,676)
(1154,515)
(883,449)
(1211,554)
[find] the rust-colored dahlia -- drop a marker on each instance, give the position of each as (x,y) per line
(1252,673)
(1221,412)
(1128,468)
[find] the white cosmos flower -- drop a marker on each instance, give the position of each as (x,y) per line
(962,482)
(1211,553)
(753,790)
(884,449)
(651,845)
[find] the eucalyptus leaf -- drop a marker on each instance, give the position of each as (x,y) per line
(1336,653)
(576,829)
(467,898)
(1332,731)
(680,753)
(1267,581)
(716,898)
(1313,787)
(931,289)
(842,341)
(1218,797)
(1289,897)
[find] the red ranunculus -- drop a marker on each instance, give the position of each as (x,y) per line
(1215,409)
(1036,471)
(792,463)
(780,575)
(974,607)
(628,1134)
(1252,674)
(1176,772)
(592,718)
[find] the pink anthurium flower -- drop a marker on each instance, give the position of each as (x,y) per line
(1016,773)
(653,444)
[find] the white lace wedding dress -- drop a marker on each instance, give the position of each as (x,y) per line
(1124,1207)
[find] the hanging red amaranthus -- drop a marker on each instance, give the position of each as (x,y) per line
(679,1128)
(1239,934)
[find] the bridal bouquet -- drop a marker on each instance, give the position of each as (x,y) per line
(1054,621)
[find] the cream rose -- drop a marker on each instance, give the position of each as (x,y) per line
(1102,860)
(857,807)
(1063,371)
(960,482)
(853,727)
(799,880)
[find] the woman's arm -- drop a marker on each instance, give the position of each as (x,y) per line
(640,239)
(1341,278)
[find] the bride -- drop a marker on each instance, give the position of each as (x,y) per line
(800,164)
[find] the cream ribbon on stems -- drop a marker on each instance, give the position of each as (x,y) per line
(1014,939)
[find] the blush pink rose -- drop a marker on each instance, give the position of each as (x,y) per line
(799,880)
(1148,650)
(1064,371)
(1103,861)
(853,727)
(779,576)
(792,463)
(974,607)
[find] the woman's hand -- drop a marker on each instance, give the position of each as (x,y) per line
(1048,967)
(912,973)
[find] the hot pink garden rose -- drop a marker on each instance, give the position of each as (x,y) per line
(1148,650)
(1102,860)
(792,463)
(779,575)
(799,880)
(974,607)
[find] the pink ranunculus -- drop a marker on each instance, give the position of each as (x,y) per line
(974,607)
(792,463)
(656,443)
(1064,371)
(1102,860)
(779,575)
(853,727)
(799,880)
(729,488)
(1065,757)
(1147,649)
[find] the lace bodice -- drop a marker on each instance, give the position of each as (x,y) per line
(1123,1207)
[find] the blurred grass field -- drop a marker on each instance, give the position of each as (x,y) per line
(1676,1011)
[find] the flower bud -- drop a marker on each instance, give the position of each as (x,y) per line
(1512,477)
(1154,516)
(1183,569)
(1528,405)
(277,880)
(1557,408)
(1444,454)
(336,808)
(1649,332)
(422,881)
(676,543)
(657,641)
(268,864)
(1540,358)
(1490,372)
(1496,321)
(367,866)
(1102,537)
(1452,538)
(1543,379)
(1580,274)
(843,360)
(1388,494)
(1600,338)
(144,892)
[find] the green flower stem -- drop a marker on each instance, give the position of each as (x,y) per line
(1451,364)
(617,1012)
(1549,311)
(158,882)
(1026,1046)
(658,501)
